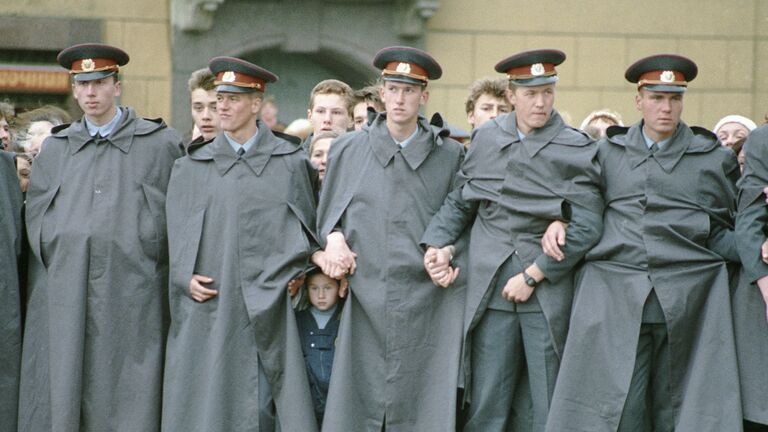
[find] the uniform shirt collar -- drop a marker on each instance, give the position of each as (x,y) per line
(106,129)
(248,144)
(649,142)
(408,140)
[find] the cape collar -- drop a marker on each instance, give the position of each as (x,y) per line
(121,136)
(537,139)
(385,148)
(256,158)
(667,157)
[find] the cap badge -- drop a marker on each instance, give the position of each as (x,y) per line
(537,69)
(667,76)
(88,65)
(228,76)
(403,68)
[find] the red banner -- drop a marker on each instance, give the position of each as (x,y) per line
(34,79)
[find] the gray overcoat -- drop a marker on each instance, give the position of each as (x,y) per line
(748,304)
(97,313)
(397,353)
(516,189)
(10,249)
(247,223)
(667,227)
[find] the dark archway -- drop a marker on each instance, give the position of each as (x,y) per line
(302,41)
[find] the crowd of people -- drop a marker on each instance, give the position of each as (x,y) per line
(372,269)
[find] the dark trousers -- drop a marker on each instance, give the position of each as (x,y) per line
(513,363)
(267,413)
(648,405)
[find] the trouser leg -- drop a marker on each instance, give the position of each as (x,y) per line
(496,359)
(542,362)
(662,413)
(635,416)
(267,415)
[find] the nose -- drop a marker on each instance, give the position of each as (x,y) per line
(321,293)
(207,113)
(494,112)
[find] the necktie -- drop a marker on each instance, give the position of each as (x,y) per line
(654,148)
(240,151)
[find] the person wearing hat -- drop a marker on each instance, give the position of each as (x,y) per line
(397,352)
(524,171)
(650,344)
(750,298)
(733,128)
(95,213)
(245,216)
(11,226)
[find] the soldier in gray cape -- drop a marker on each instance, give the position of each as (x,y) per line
(97,313)
(524,171)
(397,352)
(241,219)
(10,249)
(650,345)
(750,299)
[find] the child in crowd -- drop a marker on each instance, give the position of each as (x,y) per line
(318,325)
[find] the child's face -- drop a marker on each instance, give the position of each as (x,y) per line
(323,291)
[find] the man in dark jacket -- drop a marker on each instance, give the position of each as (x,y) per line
(650,345)
(524,171)
(96,318)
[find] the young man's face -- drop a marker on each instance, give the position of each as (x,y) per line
(329,114)
(360,115)
(402,101)
(487,107)
(533,106)
(97,98)
(323,291)
(37,132)
(237,112)
(269,115)
(204,112)
(661,112)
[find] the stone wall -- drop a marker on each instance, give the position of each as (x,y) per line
(728,41)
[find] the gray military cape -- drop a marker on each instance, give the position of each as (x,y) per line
(748,304)
(97,318)
(397,353)
(553,176)
(666,226)
(10,249)
(247,223)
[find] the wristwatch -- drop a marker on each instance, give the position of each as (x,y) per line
(529,280)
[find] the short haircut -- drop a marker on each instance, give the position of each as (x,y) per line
(269,100)
(333,86)
(50,113)
(494,87)
(369,95)
(201,78)
(7,111)
(315,138)
(608,115)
